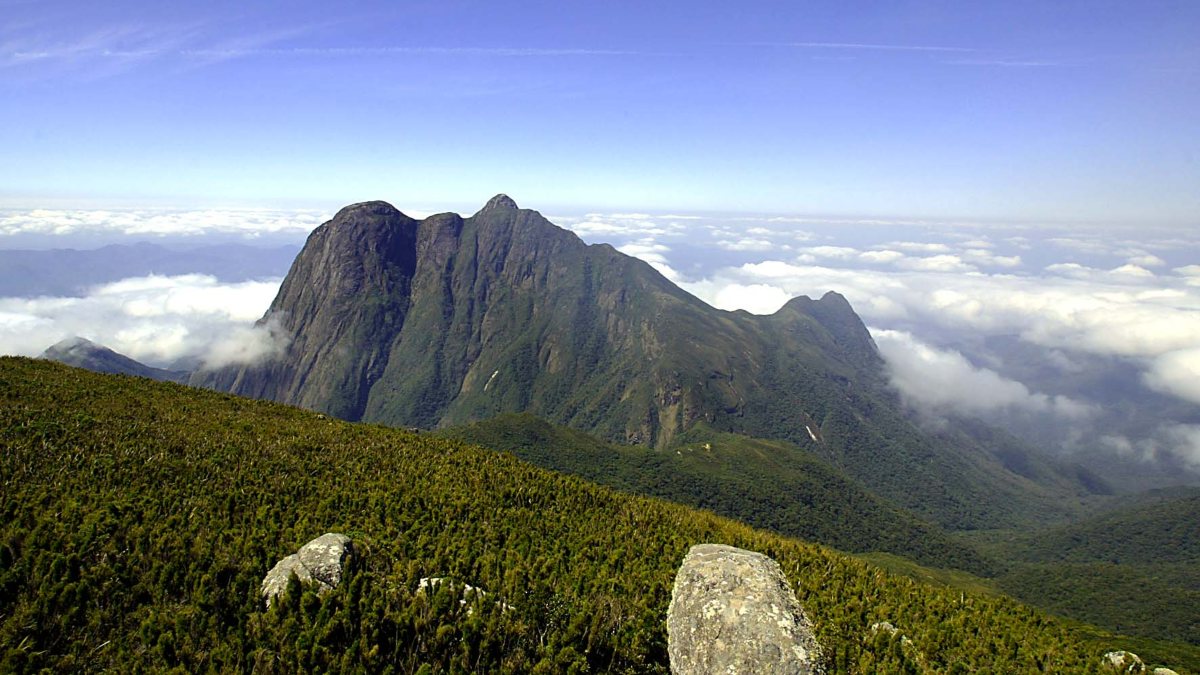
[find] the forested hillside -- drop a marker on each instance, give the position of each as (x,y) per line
(769,484)
(138,518)
(1134,569)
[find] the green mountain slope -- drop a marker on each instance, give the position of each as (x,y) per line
(1161,531)
(139,518)
(1135,568)
(768,484)
(450,320)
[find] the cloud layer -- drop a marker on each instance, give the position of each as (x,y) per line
(149,223)
(154,319)
(939,381)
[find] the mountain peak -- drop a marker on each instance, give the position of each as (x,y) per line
(500,202)
(372,208)
(69,345)
(83,353)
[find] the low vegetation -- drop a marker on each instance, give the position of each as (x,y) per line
(138,518)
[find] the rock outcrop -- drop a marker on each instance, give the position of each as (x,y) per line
(1122,661)
(732,611)
(322,561)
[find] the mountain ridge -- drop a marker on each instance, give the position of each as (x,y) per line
(450,320)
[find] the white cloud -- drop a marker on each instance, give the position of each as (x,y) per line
(1185,442)
(918,246)
(1176,440)
(248,343)
(1083,245)
(885,256)
(747,244)
(1190,274)
(754,298)
(653,254)
(937,263)
(1177,373)
(1105,314)
(1133,271)
(985,257)
(832,252)
(942,380)
(158,222)
(154,319)
(594,226)
(1147,260)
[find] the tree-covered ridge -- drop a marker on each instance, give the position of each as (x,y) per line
(768,484)
(1134,568)
(1162,531)
(138,518)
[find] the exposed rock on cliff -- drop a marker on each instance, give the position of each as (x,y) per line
(732,611)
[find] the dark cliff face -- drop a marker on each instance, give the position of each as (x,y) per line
(449,320)
(348,287)
(453,319)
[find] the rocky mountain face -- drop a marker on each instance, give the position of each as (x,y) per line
(83,353)
(453,319)
(449,319)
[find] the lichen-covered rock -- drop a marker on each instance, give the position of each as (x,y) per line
(1124,662)
(1163,671)
(732,611)
(321,561)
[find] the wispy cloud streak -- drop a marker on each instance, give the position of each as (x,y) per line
(863,46)
(390,51)
(1013,63)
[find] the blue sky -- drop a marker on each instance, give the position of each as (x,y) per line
(1015,111)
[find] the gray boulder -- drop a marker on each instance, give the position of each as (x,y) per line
(1121,661)
(732,611)
(322,562)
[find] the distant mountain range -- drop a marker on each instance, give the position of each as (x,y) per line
(449,320)
(69,272)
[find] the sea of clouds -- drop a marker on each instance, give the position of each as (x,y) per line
(935,295)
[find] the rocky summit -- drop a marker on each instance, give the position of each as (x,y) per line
(732,611)
(451,319)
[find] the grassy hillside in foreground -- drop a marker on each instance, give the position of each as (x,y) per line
(137,519)
(769,484)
